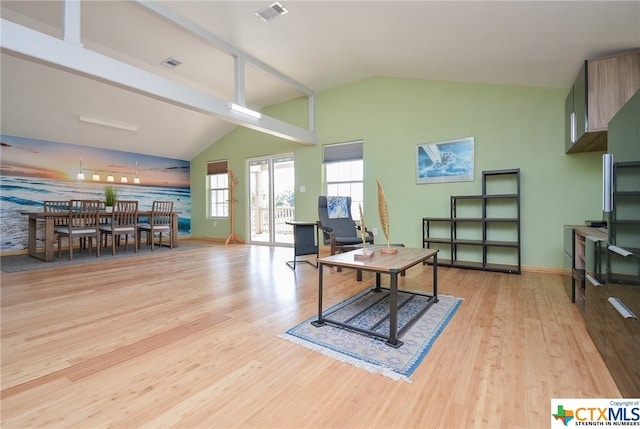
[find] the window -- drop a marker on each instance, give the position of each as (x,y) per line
(344,172)
(218,183)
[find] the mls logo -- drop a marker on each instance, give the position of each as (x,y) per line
(615,413)
(562,415)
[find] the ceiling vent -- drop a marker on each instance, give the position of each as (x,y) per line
(273,11)
(171,63)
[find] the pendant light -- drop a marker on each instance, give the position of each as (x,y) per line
(80,175)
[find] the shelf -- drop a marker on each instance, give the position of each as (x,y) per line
(444,262)
(468,210)
(473,265)
(505,268)
(466,197)
(463,241)
(466,219)
(501,219)
(502,243)
(438,240)
(501,196)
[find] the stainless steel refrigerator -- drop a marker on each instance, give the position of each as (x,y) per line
(619,258)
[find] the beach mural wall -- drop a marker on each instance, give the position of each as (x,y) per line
(33,171)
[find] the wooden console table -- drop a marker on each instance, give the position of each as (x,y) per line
(392,264)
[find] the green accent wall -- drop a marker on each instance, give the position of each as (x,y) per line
(513,127)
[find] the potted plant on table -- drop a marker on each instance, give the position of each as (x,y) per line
(111,195)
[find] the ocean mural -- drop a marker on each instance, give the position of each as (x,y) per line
(33,171)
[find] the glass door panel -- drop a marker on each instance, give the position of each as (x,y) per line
(271,193)
(260,186)
(284,205)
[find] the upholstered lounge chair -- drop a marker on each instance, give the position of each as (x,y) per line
(339,230)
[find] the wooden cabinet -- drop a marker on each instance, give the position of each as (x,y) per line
(483,231)
(601,88)
(579,270)
(568,263)
(576,240)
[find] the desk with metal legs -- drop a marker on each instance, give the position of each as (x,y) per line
(305,241)
(392,264)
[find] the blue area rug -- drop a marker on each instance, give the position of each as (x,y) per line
(370,311)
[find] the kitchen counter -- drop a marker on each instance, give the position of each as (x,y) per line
(584,231)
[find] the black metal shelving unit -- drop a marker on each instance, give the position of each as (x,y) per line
(491,232)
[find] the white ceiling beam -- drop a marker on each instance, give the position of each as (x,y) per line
(72,31)
(57,53)
(240,57)
(168,14)
(240,96)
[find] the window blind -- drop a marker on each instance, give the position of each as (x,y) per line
(342,151)
(217,167)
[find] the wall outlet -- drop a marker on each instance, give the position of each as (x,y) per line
(375,231)
(215,223)
(303,188)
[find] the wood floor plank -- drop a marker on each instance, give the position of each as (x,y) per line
(189,338)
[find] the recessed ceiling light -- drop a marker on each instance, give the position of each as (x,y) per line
(171,63)
(271,12)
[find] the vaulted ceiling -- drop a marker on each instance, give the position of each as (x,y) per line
(321,44)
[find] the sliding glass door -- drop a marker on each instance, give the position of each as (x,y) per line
(271,190)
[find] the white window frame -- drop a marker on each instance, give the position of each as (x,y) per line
(218,190)
(343,155)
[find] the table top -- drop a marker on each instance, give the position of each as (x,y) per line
(386,263)
(301,223)
(42,214)
(588,230)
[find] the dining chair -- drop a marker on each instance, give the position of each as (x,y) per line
(159,222)
(124,219)
(83,222)
(57,207)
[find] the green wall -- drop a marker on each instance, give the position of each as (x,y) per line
(513,127)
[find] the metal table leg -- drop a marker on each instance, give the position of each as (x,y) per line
(393,312)
(320,321)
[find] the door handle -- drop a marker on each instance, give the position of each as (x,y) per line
(621,308)
(620,251)
(593,280)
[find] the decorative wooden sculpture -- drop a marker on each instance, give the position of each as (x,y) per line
(363,254)
(232,200)
(384,219)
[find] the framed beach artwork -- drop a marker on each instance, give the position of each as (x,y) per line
(445,161)
(32,171)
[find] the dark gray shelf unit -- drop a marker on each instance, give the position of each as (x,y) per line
(482,225)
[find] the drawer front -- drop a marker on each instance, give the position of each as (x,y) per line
(595,258)
(623,279)
(623,351)
(596,296)
(568,240)
(568,277)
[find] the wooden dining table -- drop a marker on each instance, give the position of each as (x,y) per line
(48,218)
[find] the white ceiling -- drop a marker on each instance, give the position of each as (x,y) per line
(321,44)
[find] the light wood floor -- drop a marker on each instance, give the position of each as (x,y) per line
(189,339)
